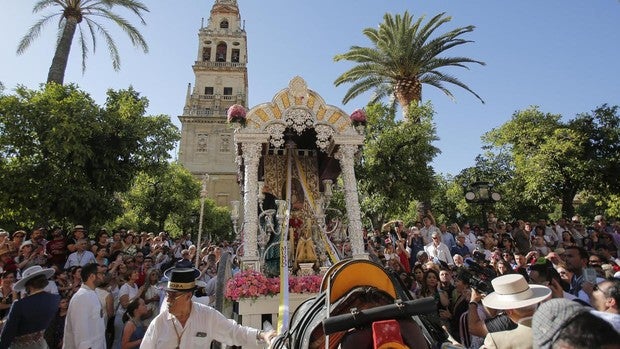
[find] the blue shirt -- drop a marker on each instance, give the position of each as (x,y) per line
(461,250)
(31,314)
(448,239)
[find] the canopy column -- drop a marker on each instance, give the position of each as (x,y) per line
(346,156)
(251,153)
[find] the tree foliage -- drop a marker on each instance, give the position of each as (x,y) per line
(169,199)
(555,160)
(395,166)
(65,158)
(405,54)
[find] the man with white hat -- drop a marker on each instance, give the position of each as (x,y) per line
(519,300)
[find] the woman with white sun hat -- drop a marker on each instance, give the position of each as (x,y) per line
(30,316)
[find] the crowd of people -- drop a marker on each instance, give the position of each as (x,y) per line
(476,276)
(473,273)
(124,269)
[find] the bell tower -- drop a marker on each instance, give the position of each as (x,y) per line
(221,80)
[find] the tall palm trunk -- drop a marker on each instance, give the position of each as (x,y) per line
(61,56)
(407,91)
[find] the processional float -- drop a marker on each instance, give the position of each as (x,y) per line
(290,154)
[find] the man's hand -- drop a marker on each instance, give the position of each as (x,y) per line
(475,296)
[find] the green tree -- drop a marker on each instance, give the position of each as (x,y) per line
(155,197)
(64,159)
(403,56)
(556,160)
(394,169)
(71,14)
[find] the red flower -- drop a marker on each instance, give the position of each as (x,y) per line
(358,117)
(236,113)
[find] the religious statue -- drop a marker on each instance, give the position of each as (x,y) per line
(305,246)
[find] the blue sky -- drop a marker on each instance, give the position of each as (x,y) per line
(561,55)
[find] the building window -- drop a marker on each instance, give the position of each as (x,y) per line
(206,54)
(224,24)
(222,199)
(227,91)
(209,90)
(221,52)
(225,143)
(201,142)
(235,55)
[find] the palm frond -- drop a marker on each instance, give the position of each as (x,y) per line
(134,34)
(440,77)
(43,4)
(91,29)
(134,6)
(84,49)
(33,33)
(114,55)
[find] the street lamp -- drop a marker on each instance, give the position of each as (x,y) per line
(481,193)
(234,214)
(203,196)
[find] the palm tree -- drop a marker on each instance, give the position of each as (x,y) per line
(403,57)
(71,13)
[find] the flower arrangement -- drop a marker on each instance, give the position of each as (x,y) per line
(358,117)
(236,113)
(252,284)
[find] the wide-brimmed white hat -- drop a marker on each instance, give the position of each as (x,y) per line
(512,292)
(30,273)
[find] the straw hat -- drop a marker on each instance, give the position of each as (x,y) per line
(512,292)
(31,273)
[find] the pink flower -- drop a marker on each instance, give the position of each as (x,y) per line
(252,284)
(236,113)
(358,117)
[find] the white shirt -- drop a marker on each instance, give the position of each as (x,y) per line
(131,291)
(427,232)
(441,252)
(84,325)
(80,259)
(204,325)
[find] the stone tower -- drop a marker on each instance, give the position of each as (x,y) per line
(221,77)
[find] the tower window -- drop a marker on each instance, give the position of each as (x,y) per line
(227,91)
(221,52)
(206,54)
(224,24)
(209,90)
(235,55)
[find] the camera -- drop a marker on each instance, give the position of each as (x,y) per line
(479,276)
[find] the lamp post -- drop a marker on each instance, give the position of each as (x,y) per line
(481,193)
(203,196)
(234,214)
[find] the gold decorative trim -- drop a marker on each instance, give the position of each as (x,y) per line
(334,118)
(285,101)
(181,285)
(275,110)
